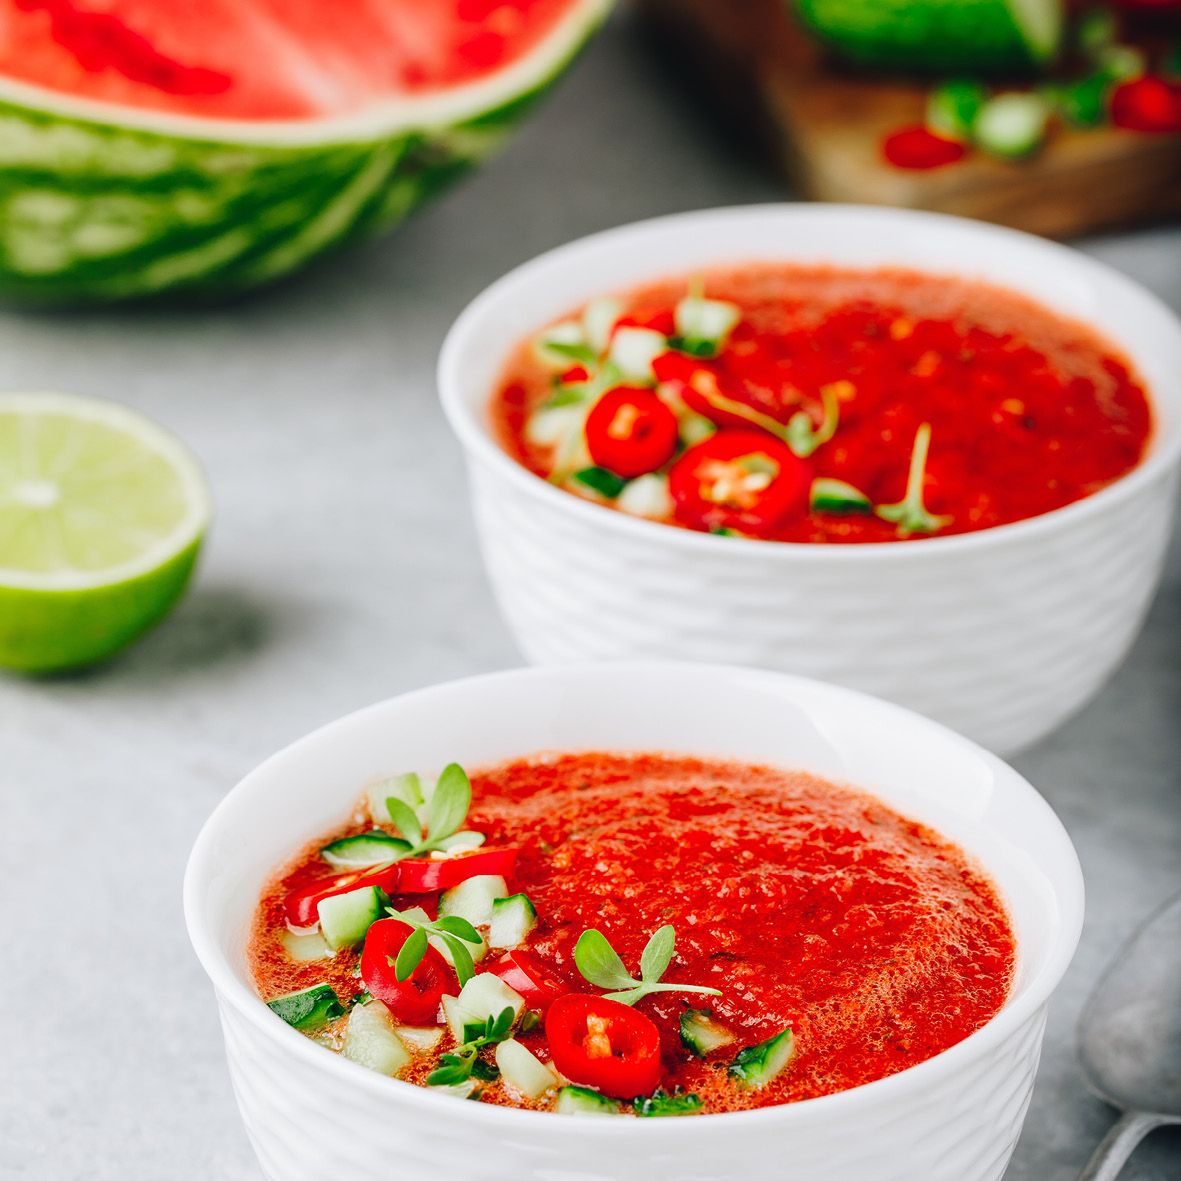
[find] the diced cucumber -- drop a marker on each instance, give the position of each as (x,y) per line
(634,349)
(454,1016)
(704,324)
(308,1009)
(835,496)
(661,1104)
(560,346)
(523,1070)
(360,852)
(420,1039)
(952,108)
(344,918)
(464,1090)
(304,948)
(472,899)
(756,1066)
(512,920)
(485,996)
(1012,125)
(406,787)
(598,319)
(701,1034)
(462,842)
(599,481)
(553,426)
(695,428)
(371,1040)
(584,1101)
(646,496)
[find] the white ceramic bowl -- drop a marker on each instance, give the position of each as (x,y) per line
(999,634)
(312,1114)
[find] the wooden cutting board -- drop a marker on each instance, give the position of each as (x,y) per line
(822,126)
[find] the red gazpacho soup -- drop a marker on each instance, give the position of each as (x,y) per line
(634,934)
(814,404)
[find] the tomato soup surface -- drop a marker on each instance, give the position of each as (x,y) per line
(808,906)
(823,405)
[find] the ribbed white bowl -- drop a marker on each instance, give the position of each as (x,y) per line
(311,1114)
(1000,634)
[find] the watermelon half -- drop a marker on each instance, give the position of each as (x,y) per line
(151,146)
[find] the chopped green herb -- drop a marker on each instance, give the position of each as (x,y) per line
(460,1064)
(601,481)
(910,513)
(531,1019)
(599,963)
(661,1103)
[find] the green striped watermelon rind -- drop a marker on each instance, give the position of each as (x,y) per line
(98,211)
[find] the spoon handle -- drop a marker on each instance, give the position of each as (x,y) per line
(1119,1144)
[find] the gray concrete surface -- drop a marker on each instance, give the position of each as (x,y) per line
(342,569)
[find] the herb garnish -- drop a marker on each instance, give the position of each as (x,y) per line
(447,810)
(910,513)
(802,437)
(458,1065)
(599,963)
(452,930)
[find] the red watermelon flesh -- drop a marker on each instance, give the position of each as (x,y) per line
(265,59)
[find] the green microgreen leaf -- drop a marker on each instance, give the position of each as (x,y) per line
(460,1064)
(410,954)
(582,353)
(405,820)
(454,925)
(465,969)
(450,803)
(658,954)
(599,963)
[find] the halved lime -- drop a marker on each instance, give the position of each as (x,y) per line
(940,36)
(101,517)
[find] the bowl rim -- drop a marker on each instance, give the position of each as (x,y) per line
(1067,885)
(470,427)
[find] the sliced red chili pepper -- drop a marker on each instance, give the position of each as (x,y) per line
(738,479)
(631,432)
(1147,104)
(416,999)
(920,148)
(426,875)
(524,974)
(659,320)
(574,374)
(605,1045)
(302,906)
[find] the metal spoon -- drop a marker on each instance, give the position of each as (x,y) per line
(1130,1039)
